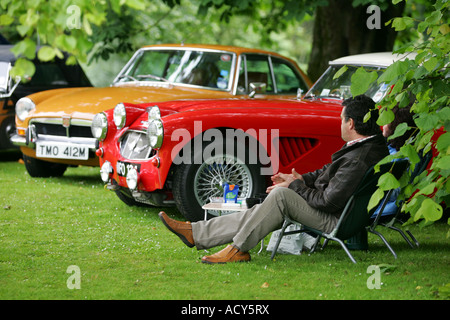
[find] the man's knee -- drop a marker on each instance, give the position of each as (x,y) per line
(281,193)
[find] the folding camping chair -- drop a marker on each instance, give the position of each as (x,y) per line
(355,217)
(390,220)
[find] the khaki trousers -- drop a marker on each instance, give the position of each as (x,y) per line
(246,229)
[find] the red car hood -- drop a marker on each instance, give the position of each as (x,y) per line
(170,107)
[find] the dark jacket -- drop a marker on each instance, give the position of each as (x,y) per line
(328,189)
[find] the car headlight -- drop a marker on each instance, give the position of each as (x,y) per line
(155,133)
(105,171)
(132,178)
(23,107)
(99,126)
(120,116)
(154,113)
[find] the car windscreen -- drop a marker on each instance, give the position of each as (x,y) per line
(199,68)
(331,87)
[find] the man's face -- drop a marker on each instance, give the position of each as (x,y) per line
(345,127)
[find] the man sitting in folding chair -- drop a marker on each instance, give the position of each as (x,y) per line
(314,199)
(388,212)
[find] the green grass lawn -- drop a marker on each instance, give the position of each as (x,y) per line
(47,225)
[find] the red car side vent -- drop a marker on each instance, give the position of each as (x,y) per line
(293,148)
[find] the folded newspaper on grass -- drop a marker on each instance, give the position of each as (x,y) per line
(293,243)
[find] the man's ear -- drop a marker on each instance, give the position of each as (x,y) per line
(351,124)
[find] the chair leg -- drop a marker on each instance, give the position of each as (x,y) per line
(345,248)
(325,242)
(313,249)
(277,244)
(385,242)
(412,237)
(402,234)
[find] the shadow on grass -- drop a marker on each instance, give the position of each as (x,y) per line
(9,155)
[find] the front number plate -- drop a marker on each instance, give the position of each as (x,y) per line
(62,151)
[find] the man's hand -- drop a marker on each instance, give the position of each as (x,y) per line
(283,180)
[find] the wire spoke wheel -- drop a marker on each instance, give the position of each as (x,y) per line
(195,184)
(212,174)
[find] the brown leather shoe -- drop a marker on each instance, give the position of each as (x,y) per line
(182,229)
(229,254)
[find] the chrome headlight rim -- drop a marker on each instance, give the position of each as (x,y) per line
(154,113)
(155,133)
(120,115)
(99,126)
(23,107)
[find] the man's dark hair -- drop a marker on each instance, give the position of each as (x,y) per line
(356,108)
(402,115)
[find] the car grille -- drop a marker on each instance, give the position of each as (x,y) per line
(134,145)
(292,148)
(59,130)
(76,131)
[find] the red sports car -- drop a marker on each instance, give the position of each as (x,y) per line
(181,152)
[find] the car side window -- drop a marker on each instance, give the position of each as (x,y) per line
(287,78)
(254,68)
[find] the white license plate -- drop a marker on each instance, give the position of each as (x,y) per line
(61,151)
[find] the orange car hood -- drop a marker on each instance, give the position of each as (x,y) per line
(84,103)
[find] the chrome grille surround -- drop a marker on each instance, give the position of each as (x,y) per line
(134,145)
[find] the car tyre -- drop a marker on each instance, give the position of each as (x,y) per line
(194,184)
(43,169)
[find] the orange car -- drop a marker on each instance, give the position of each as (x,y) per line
(54,127)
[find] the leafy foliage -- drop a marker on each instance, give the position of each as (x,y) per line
(73,26)
(425,76)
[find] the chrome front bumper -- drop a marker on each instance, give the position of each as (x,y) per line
(62,125)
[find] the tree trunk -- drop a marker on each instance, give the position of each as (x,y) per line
(341,30)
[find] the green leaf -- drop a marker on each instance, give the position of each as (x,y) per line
(443,143)
(136,4)
(429,189)
(400,24)
(399,131)
(429,210)
(434,17)
(23,68)
(386,268)
(386,117)
(25,48)
(395,70)
(375,199)
(409,152)
(431,63)
(340,72)
(443,163)
(361,80)
(387,182)
(46,53)
(87,26)
(426,122)
(6,20)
